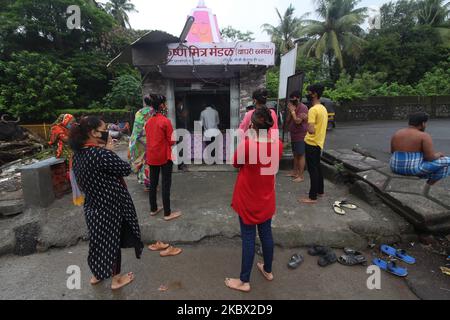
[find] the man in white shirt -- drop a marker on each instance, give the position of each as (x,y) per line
(210,121)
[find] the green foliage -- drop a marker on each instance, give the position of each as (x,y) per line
(32,86)
(404,56)
(273,82)
(233,35)
(43,26)
(436,82)
(119,9)
(125,93)
(337,34)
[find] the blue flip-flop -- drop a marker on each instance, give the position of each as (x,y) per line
(390,267)
(399,254)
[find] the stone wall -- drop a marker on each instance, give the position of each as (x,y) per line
(154,85)
(250,80)
(393,108)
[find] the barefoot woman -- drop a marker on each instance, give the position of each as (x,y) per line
(254,195)
(109,210)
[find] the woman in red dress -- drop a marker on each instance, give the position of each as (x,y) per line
(258,158)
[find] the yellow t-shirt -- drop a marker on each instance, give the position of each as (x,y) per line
(318,116)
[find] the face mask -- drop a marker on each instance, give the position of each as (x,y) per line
(294,102)
(309,97)
(105,136)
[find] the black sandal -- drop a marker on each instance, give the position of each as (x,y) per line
(318,251)
(327,259)
(352,260)
(295,261)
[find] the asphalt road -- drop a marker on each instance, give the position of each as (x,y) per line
(375,136)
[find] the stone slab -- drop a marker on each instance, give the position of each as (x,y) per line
(402,185)
(440,194)
(345,157)
(423,209)
(374,178)
(357,166)
(387,171)
(374,163)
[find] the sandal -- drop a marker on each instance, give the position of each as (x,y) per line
(399,254)
(338,210)
(390,267)
(327,259)
(158,246)
(352,260)
(170,252)
(346,204)
(318,250)
(295,261)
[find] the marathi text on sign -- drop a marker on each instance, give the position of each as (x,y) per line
(223,53)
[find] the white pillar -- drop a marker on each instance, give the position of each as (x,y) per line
(234,103)
(170,95)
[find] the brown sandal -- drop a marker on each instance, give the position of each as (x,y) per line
(158,246)
(170,252)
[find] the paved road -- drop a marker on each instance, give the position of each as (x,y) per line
(375,136)
(197,274)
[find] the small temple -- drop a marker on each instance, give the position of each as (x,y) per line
(201,70)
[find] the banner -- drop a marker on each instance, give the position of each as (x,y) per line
(242,53)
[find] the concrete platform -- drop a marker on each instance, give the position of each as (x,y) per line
(427,208)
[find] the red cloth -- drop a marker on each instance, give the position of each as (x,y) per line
(254,193)
(159,131)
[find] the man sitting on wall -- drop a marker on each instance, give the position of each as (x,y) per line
(413,153)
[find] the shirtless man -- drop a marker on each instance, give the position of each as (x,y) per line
(413,152)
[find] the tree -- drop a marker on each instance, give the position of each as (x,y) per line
(119,9)
(233,35)
(126,92)
(284,34)
(338,34)
(433,12)
(33,87)
(42,26)
(404,56)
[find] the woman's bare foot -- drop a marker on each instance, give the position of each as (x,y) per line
(121,281)
(156,212)
(173,216)
(292,174)
(298,179)
(307,201)
(94,281)
(268,276)
(237,284)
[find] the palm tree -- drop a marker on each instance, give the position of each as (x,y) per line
(338,34)
(288,29)
(119,10)
(433,12)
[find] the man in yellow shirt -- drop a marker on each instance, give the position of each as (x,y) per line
(315,141)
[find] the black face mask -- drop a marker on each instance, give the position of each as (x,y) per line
(309,97)
(294,102)
(105,136)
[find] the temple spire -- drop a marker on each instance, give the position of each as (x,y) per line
(201,4)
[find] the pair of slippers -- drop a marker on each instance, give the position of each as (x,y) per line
(339,207)
(326,255)
(352,258)
(165,250)
(391,264)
